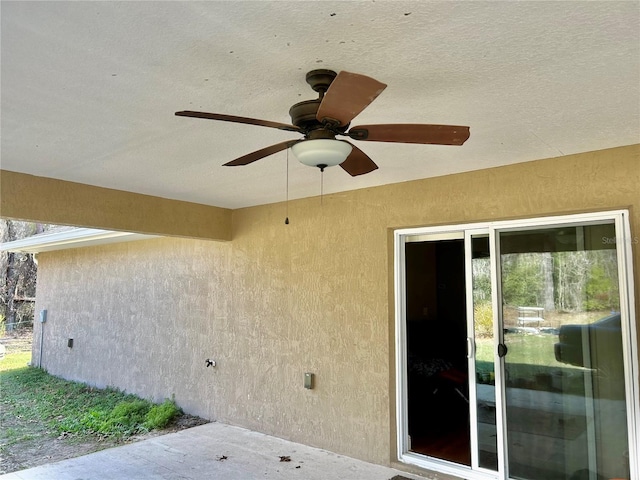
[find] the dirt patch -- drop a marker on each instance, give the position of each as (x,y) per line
(27,443)
(32,445)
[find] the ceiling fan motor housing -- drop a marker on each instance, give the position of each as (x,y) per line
(303,114)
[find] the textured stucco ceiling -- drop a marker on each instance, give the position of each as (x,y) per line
(89,89)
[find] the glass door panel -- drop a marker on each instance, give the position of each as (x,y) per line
(483,363)
(564,383)
(436,333)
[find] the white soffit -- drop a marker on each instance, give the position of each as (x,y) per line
(69,238)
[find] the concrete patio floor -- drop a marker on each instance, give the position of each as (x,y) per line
(211,451)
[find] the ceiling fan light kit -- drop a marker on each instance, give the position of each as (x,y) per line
(322,153)
(341,97)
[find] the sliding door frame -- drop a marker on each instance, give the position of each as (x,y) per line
(624,242)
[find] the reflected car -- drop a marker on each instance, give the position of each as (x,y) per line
(597,345)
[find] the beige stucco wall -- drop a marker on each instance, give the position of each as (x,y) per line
(47,200)
(280,300)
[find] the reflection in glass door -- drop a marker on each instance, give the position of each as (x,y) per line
(564,382)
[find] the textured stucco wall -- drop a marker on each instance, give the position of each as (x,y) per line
(280,300)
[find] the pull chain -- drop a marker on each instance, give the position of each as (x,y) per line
(321,167)
(286,220)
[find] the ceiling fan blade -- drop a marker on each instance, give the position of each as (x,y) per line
(411,133)
(347,96)
(258,154)
(235,119)
(358,163)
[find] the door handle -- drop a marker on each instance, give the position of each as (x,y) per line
(502,350)
(471,351)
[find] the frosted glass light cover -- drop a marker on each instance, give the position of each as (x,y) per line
(321,152)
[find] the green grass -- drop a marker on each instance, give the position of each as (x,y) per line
(530,363)
(523,348)
(13,361)
(32,395)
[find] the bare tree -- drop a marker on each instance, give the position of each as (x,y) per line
(19,270)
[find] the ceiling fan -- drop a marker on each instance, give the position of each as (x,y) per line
(341,97)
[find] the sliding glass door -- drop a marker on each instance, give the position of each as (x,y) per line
(516,349)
